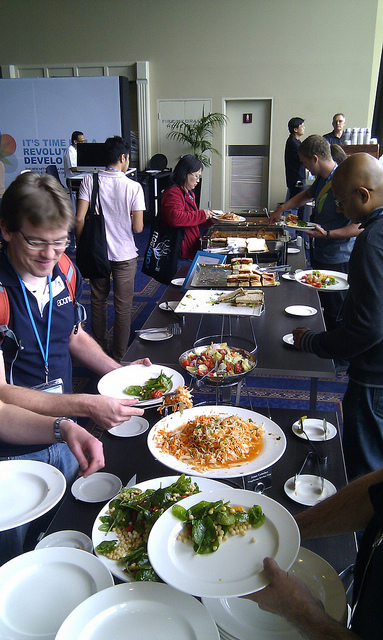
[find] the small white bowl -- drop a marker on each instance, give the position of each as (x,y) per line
(67,538)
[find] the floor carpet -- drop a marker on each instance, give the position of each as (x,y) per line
(264,391)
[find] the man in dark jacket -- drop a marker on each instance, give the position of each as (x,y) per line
(358,192)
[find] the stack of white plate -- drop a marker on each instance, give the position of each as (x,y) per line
(236,618)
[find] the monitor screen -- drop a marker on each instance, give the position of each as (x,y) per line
(91,156)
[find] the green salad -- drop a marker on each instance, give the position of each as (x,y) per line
(231,361)
(132,514)
(153,388)
(208,523)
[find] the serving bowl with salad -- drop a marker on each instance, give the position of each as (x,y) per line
(218,362)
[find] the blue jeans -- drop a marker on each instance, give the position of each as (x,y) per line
(363,429)
(59,456)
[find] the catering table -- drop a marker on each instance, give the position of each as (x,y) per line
(128,456)
(274,357)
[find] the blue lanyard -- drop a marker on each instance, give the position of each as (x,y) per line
(46,352)
(327,180)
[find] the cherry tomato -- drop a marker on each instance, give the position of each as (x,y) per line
(317,285)
(157,393)
(186,363)
(238,367)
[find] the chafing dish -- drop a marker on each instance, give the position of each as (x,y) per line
(276,238)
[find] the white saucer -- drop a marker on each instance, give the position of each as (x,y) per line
(99,487)
(178,282)
(308,491)
(288,339)
(293,250)
(156,336)
(73,539)
(170,305)
(300,310)
(133,427)
(288,276)
(314,429)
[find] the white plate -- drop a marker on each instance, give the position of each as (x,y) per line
(273,447)
(236,568)
(132,427)
(314,429)
(114,382)
(288,339)
(73,539)
(98,487)
(156,336)
(238,617)
(140,611)
(201,301)
(117,568)
(293,250)
(308,227)
(301,310)
(178,282)
(308,491)
(341,285)
(217,215)
(28,490)
(170,303)
(39,589)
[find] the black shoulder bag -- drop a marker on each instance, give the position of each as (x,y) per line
(162,252)
(92,252)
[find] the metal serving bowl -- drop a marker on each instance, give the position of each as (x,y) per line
(221,380)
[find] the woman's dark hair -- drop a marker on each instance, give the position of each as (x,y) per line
(187,164)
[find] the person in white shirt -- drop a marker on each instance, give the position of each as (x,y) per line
(70,156)
(123,203)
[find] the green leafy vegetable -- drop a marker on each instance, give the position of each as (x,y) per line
(204,517)
(162,383)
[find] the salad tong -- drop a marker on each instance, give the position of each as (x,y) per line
(312,455)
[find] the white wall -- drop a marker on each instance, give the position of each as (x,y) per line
(313,57)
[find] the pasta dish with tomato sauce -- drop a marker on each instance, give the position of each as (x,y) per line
(213,442)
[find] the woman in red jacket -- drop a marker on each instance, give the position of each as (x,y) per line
(178,206)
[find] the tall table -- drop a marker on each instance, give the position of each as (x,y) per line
(128,456)
(274,357)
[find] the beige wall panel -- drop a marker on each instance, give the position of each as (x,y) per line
(313,57)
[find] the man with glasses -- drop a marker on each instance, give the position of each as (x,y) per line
(336,136)
(358,189)
(44,331)
(35,219)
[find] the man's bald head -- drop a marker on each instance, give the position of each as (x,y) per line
(357,185)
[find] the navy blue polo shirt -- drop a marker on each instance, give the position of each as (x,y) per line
(28,368)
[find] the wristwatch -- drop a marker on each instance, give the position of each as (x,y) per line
(57,428)
(328,234)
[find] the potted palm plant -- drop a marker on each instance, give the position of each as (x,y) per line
(197,134)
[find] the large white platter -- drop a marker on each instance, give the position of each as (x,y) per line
(273,447)
(238,617)
(341,284)
(28,490)
(139,611)
(114,382)
(39,589)
(236,568)
(117,568)
(199,301)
